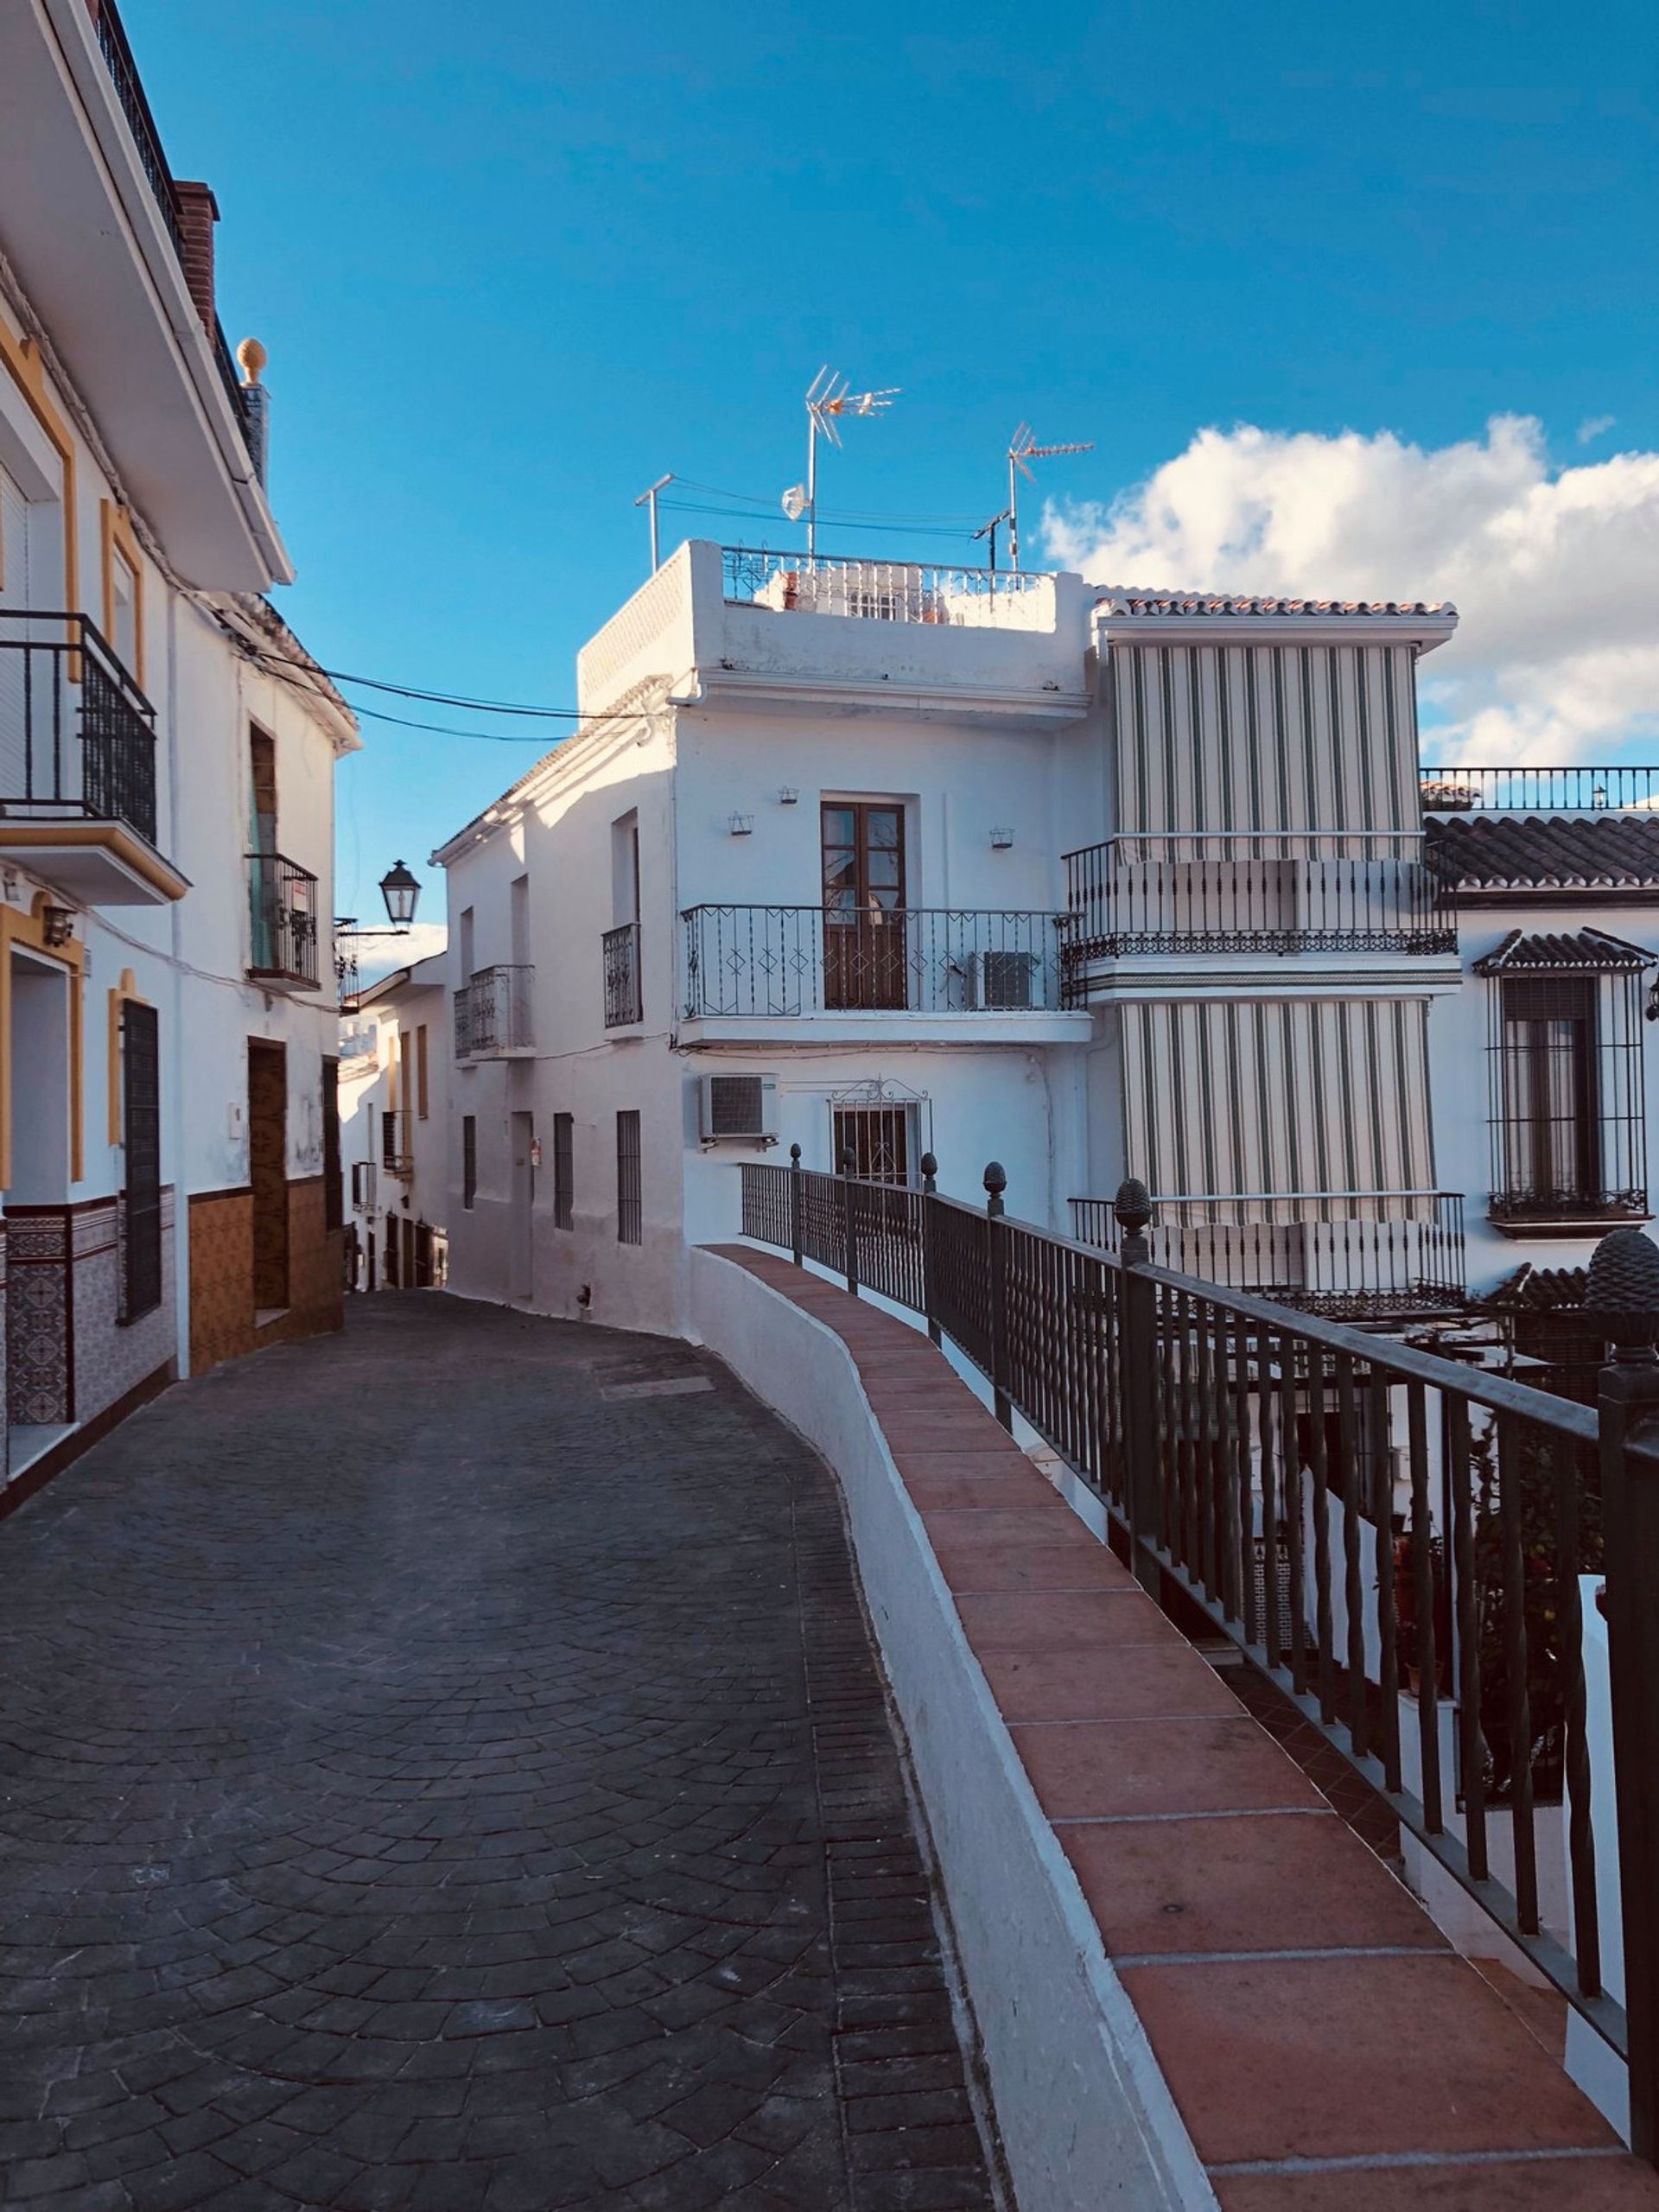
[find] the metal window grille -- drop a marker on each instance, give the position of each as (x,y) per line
(333,1194)
(564,1171)
(1566,1110)
(362,1184)
(879,1139)
(468,1159)
(141,1285)
(394,1156)
(629,1222)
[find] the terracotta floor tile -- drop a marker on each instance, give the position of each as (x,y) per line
(1617,2184)
(968,1430)
(1274,1881)
(1094,1769)
(997,1487)
(1078,1563)
(1011,1620)
(1317,2058)
(1120,1682)
(1029,1522)
(1003,1458)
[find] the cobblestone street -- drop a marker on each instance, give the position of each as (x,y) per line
(445,1766)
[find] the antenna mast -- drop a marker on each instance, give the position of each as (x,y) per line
(648,499)
(1022,448)
(827,399)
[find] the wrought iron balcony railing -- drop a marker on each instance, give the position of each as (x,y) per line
(1596,1208)
(886,591)
(77,736)
(1254,891)
(623,1002)
(492,1012)
(283,910)
(778,960)
(1350,1253)
(1538,790)
(147,143)
(397,1154)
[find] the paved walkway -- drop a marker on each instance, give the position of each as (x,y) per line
(445,1766)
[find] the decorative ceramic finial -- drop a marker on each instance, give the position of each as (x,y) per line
(1133,1204)
(253,357)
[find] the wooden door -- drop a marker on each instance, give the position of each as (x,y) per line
(864,921)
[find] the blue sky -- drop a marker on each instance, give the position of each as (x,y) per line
(513,262)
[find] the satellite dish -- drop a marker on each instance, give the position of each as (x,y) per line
(796,502)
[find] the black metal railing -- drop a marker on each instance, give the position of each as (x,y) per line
(77,736)
(492,1012)
(397,1153)
(1537,791)
(147,143)
(1594,1208)
(886,591)
(1303,891)
(283,913)
(802,960)
(1383,1532)
(620,951)
(1350,1253)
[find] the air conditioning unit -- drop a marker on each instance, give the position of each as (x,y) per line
(738,1108)
(1001,981)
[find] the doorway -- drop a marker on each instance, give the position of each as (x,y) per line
(39,1353)
(524,1201)
(865,962)
(268,1175)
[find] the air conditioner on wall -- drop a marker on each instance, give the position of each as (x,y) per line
(1001,981)
(738,1108)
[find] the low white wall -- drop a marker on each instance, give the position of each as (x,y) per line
(1086,2117)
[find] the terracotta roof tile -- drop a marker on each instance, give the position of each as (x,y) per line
(1565,852)
(1135,602)
(1594,950)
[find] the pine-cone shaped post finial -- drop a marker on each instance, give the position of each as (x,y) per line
(1621,1292)
(1132,1205)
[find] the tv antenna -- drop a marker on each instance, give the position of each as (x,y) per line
(828,399)
(648,498)
(1022,448)
(990,530)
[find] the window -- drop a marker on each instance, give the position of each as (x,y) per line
(391,1252)
(465,935)
(629,1225)
(1567,1113)
(877,1138)
(865,956)
(141,1129)
(333,1195)
(565,1180)
(468,1159)
(421,1069)
(363,1185)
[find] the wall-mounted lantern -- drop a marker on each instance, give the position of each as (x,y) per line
(742,825)
(1000,840)
(788,796)
(57,926)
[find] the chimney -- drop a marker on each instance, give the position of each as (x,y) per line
(198,213)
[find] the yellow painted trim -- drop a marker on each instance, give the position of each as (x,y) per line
(114,837)
(29,930)
(22,358)
(116,536)
(126,993)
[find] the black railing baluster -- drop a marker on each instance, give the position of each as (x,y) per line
(1575,1757)
(1471,1746)
(1387,1615)
(1423,1659)
(1354,1490)
(1518,1704)
(1291,1462)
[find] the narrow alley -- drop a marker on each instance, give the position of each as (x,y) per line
(445,1766)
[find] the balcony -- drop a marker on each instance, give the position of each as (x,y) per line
(917,973)
(886,591)
(397,1148)
(1359,1255)
(1205,897)
(779,633)
(283,910)
(1539,790)
(623,1002)
(78,765)
(492,1019)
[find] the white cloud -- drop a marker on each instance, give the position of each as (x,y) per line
(378,956)
(1556,572)
(1594,426)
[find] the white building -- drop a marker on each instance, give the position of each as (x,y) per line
(396,1134)
(167,754)
(885,859)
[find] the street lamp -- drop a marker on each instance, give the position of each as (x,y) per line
(402,892)
(401,889)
